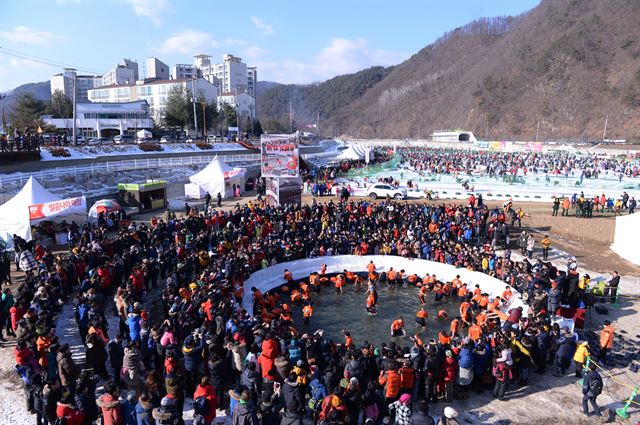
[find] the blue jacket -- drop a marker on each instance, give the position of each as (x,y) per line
(129,416)
(134,327)
(144,413)
(464,359)
(193,356)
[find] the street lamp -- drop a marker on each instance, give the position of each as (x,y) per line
(193,100)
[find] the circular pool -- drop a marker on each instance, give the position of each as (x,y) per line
(334,312)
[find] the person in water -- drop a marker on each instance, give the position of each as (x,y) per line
(372,300)
(397,327)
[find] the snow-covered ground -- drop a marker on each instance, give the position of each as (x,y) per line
(91,152)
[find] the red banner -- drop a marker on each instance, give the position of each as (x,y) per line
(63,206)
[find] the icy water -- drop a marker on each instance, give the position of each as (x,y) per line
(333,312)
(607,182)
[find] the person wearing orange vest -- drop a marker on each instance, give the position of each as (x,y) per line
(348,341)
(323,269)
(307,312)
(371,267)
(407,378)
(475,332)
(421,317)
(455,326)
(390,380)
(444,337)
(372,300)
(397,327)
(507,294)
(606,340)
(442,315)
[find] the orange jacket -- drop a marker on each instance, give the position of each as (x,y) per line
(475,332)
(407,377)
(390,380)
(606,337)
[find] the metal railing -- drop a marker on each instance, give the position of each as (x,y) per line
(123,165)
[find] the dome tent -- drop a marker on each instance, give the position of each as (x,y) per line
(102,206)
(14,214)
(217,177)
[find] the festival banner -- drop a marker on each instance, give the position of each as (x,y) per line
(494,146)
(280,156)
(55,208)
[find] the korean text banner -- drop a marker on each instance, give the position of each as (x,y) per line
(61,207)
(280,156)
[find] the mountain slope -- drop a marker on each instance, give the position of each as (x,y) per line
(324,98)
(566,64)
(41,91)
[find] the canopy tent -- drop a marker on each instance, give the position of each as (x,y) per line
(625,241)
(144,134)
(217,177)
(355,152)
(14,214)
(103,206)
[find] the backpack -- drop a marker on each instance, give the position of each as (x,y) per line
(595,386)
(201,406)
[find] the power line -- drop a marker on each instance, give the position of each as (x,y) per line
(44,61)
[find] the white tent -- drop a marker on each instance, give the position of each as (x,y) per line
(14,214)
(355,152)
(217,177)
(625,241)
(144,134)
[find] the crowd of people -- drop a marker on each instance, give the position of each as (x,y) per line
(564,164)
(175,288)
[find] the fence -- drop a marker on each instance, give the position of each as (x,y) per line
(124,165)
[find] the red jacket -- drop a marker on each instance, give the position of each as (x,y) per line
(72,416)
(209,393)
(111,410)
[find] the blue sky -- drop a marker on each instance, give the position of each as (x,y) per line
(290,41)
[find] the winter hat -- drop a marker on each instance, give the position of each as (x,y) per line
(353,381)
(166,401)
(450,412)
(132,396)
(405,399)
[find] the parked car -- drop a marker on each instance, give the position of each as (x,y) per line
(81,139)
(382,190)
(168,139)
(122,138)
(97,141)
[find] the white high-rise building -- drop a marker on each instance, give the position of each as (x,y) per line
(64,83)
(124,73)
(252,80)
(201,60)
(156,69)
(232,73)
(183,70)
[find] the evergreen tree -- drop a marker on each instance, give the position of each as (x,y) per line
(257,128)
(178,109)
(59,106)
(27,112)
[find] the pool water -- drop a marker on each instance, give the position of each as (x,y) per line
(333,312)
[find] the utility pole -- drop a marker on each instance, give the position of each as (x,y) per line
(318,124)
(537,130)
(193,100)
(604,132)
(73,135)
